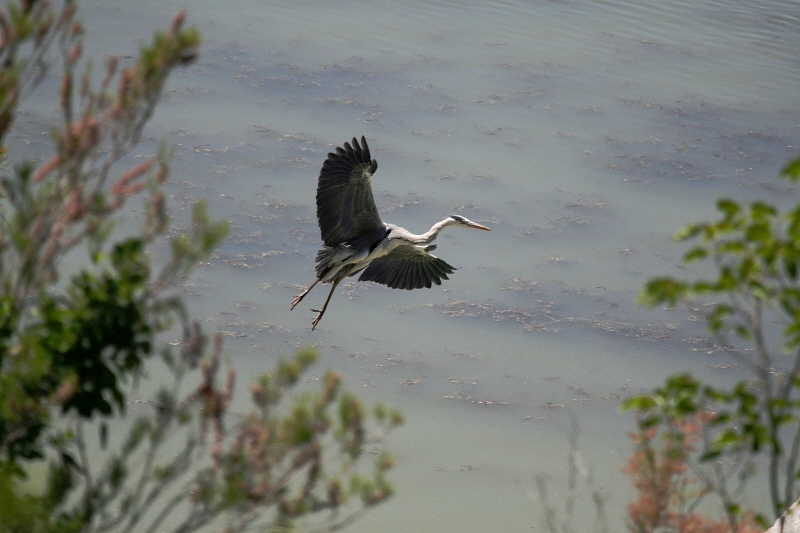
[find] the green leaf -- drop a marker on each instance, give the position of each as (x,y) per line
(762,210)
(695,254)
(662,290)
(687,232)
(728,207)
(762,522)
(734,509)
(790,266)
(792,170)
(727,437)
(709,455)
(731,247)
(702,287)
(717,318)
(742,332)
(715,395)
(638,403)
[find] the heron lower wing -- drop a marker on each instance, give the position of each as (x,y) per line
(407,267)
(345,205)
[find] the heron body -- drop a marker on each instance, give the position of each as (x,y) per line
(357,240)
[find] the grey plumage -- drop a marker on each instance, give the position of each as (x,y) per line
(407,268)
(357,240)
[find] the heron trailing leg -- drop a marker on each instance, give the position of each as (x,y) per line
(299,297)
(322,312)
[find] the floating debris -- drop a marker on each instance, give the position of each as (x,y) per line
(474,401)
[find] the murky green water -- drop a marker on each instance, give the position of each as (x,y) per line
(584,133)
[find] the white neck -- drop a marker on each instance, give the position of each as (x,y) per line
(430,235)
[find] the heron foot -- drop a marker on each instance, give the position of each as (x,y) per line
(316,320)
(298,299)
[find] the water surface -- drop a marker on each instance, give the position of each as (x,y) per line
(583,132)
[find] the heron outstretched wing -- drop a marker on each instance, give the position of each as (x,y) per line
(407,267)
(345,206)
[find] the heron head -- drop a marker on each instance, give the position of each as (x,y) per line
(458,220)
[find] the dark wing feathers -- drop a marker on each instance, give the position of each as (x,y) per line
(407,267)
(345,206)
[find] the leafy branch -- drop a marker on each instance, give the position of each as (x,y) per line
(755,251)
(73,351)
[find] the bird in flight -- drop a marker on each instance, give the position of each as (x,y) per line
(357,240)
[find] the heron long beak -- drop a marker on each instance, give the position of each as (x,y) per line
(477,226)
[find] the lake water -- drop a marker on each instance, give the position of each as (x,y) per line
(584,133)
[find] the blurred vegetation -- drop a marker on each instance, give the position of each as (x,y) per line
(752,307)
(668,492)
(75,343)
(699,447)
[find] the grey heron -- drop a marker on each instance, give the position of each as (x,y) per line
(357,240)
